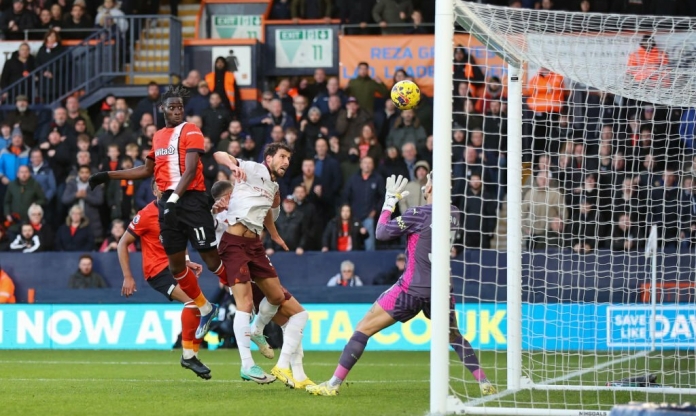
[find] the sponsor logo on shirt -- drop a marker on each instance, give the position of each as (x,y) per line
(165,152)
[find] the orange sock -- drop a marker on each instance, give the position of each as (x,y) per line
(190,318)
(196,345)
(189,284)
(221,273)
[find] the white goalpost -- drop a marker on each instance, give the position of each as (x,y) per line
(567,141)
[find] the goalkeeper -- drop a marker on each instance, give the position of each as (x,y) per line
(410,294)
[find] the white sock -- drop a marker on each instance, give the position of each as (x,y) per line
(292,338)
(205,309)
(241,333)
(264,316)
(188,353)
(296,364)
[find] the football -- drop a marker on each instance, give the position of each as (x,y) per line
(405,95)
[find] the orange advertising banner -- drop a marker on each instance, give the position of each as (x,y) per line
(415,54)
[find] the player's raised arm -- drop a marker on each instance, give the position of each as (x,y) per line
(387,228)
(128,287)
(140,172)
(226,159)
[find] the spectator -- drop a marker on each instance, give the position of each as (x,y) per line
(12,157)
(540,206)
(216,118)
(384,121)
(119,195)
(466,69)
(417,21)
(275,117)
(312,129)
(144,195)
(24,118)
(358,12)
(14,22)
(55,80)
(393,164)
(110,16)
(407,129)
(320,84)
(666,209)
(350,122)
(314,10)
(41,228)
(625,236)
(222,81)
(415,187)
(391,276)
(45,23)
(85,277)
(391,12)
(313,185)
(344,233)
(584,226)
(280,10)
(43,174)
(74,234)
(347,277)
(364,193)
(150,105)
(292,228)
(479,212)
(76,25)
(17,67)
(7,288)
(110,243)
(75,114)
(192,83)
(87,202)
(58,155)
(367,143)
(27,241)
(210,166)
(234,133)
(364,88)
(328,170)
(199,102)
(60,124)
(546,96)
(648,63)
(21,193)
(321,100)
(410,156)
(299,103)
(314,224)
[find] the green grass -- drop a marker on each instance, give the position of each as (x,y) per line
(383,383)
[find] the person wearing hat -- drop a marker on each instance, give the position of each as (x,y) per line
(7,288)
(198,102)
(12,157)
(291,226)
(416,197)
(350,122)
(24,118)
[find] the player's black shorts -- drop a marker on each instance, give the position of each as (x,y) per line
(163,282)
(196,223)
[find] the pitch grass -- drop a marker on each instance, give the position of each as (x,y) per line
(383,383)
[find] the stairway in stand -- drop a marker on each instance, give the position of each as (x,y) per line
(152,49)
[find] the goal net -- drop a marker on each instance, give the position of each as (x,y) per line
(573,166)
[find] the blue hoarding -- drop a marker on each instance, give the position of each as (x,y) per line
(550,327)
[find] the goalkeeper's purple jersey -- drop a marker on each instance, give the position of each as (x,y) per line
(416,224)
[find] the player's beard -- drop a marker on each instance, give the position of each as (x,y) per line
(279,172)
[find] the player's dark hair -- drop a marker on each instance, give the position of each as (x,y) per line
(273,148)
(219,188)
(174,91)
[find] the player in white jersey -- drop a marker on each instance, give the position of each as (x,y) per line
(291,316)
(244,256)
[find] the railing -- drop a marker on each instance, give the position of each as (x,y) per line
(376,28)
(65,34)
(150,45)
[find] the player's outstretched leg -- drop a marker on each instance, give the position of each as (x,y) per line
(189,284)
(242,333)
(467,355)
(298,373)
(262,319)
(291,340)
(190,317)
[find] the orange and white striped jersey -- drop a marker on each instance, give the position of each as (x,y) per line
(169,149)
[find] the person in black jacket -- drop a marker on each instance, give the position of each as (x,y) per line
(391,276)
(216,118)
(149,104)
(54,80)
(77,20)
(210,166)
(14,22)
(344,233)
(292,228)
(479,214)
(75,234)
(16,68)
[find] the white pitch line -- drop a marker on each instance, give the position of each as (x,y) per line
(307,363)
(134,380)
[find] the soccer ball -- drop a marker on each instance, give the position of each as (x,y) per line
(405,94)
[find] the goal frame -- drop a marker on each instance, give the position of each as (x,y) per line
(441,401)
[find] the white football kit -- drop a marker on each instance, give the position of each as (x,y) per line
(252,198)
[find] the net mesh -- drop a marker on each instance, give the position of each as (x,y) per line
(607,150)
